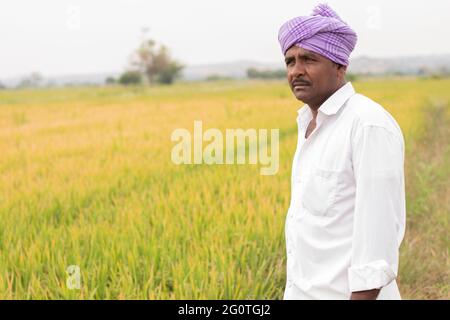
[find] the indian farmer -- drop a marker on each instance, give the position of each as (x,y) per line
(346,217)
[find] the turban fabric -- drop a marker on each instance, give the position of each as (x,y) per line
(323,32)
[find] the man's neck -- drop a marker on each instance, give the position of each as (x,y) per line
(315,107)
(314,113)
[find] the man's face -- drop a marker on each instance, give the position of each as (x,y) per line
(311,76)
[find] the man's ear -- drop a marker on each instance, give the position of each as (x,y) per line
(341,71)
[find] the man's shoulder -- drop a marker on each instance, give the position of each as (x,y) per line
(367,112)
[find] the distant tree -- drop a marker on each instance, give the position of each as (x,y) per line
(35,79)
(130,78)
(2,86)
(217,77)
(168,74)
(110,80)
(252,73)
(155,62)
(351,77)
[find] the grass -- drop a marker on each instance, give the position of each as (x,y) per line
(86,179)
(425,264)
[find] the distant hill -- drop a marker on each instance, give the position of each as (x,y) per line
(401,65)
(238,69)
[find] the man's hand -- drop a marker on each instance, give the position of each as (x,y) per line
(365,295)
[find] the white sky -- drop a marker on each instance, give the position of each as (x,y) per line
(58,37)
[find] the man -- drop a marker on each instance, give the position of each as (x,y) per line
(346,218)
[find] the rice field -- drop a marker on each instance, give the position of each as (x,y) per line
(86,179)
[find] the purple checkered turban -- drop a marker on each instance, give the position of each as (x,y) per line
(323,32)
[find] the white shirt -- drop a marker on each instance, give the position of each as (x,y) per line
(346,217)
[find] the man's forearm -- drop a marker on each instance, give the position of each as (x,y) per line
(365,295)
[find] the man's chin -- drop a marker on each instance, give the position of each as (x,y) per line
(301,97)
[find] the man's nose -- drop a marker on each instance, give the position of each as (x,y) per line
(298,70)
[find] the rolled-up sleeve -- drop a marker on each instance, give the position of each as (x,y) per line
(379,216)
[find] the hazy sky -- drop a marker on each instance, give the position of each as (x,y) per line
(82,36)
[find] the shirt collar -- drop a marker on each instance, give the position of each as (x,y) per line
(332,104)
